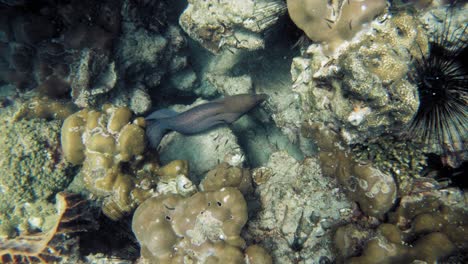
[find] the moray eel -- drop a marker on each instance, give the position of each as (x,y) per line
(199,118)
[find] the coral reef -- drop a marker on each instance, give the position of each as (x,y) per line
(427,226)
(231,24)
(202,228)
(299,208)
(31,169)
(103,142)
(55,244)
(374,190)
(363,90)
(333,22)
(403,159)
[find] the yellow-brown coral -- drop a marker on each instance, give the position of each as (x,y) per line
(204,228)
(53,245)
(43,107)
(102,141)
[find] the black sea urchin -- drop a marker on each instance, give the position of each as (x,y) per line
(442,78)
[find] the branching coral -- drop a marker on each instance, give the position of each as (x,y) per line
(53,245)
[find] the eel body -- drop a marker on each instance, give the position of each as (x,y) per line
(201,117)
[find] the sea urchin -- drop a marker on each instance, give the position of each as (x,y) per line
(442,77)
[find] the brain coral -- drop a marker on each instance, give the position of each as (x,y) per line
(102,142)
(204,228)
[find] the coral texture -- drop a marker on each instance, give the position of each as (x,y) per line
(102,141)
(299,208)
(363,90)
(64,49)
(203,228)
(332,22)
(374,190)
(425,227)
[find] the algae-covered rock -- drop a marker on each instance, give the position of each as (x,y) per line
(299,207)
(404,159)
(32,170)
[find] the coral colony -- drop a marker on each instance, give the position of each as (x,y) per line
(200,133)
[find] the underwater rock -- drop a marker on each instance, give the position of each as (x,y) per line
(299,207)
(42,47)
(151,55)
(333,22)
(103,142)
(231,24)
(32,170)
(374,190)
(203,228)
(363,90)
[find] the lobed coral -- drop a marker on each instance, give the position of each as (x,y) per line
(333,22)
(226,175)
(44,107)
(203,228)
(103,142)
(424,227)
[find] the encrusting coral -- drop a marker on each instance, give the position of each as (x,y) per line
(55,244)
(102,142)
(333,22)
(44,107)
